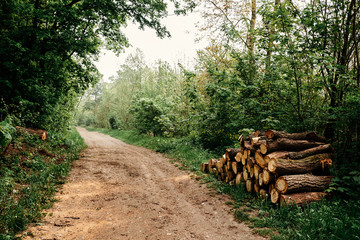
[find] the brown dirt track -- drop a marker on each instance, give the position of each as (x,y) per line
(120,191)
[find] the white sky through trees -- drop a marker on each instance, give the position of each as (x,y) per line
(181,47)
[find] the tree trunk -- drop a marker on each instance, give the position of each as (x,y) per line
(300,166)
(301,199)
(302,183)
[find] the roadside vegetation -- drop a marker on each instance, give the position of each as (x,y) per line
(31,172)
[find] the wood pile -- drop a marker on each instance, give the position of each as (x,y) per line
(287,167)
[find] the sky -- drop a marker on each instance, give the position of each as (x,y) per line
(180,47)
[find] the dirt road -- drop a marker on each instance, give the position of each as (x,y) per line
(120,191)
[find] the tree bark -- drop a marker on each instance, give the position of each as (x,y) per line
(301,199)
(310,136)
(300,166)
(302,183)
(282,144)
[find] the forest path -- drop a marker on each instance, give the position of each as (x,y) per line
(120,191)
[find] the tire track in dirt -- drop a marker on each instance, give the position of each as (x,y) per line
(120,191)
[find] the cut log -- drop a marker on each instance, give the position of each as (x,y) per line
(244,158)
(230,153)
(271,187)
(239,156)
(300,166)
(212,163)
(282,144)
(267,177)
(249,185)
(239,179)
(205,167)
(259,159)
(263,148)
(247,145)
(256,187)
(245,174)
(260,179)
(257,171)
(230,175)
(273,134)
(326,148)
(223,160)
(302,183)
(235,166)
(251,173)
(280,154)
(301,199)
(219,166)
(274,195)
(257,141)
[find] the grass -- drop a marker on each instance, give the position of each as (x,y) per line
(334,219)
(30,173)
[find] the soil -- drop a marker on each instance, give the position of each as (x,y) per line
(120,191)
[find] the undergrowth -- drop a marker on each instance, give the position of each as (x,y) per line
(337,218)
(30,173)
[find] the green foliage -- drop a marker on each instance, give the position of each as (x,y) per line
(29,178)
(7,132)
(47,50)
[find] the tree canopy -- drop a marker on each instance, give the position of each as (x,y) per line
(47,48)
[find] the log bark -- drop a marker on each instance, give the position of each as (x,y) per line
(274,195)
(311,136)
(326,148)
(301,199)
(302,183)
(300,166)
(282,144)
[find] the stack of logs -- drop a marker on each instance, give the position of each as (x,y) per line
(288,167)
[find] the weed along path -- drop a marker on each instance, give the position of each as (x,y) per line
(120,191)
